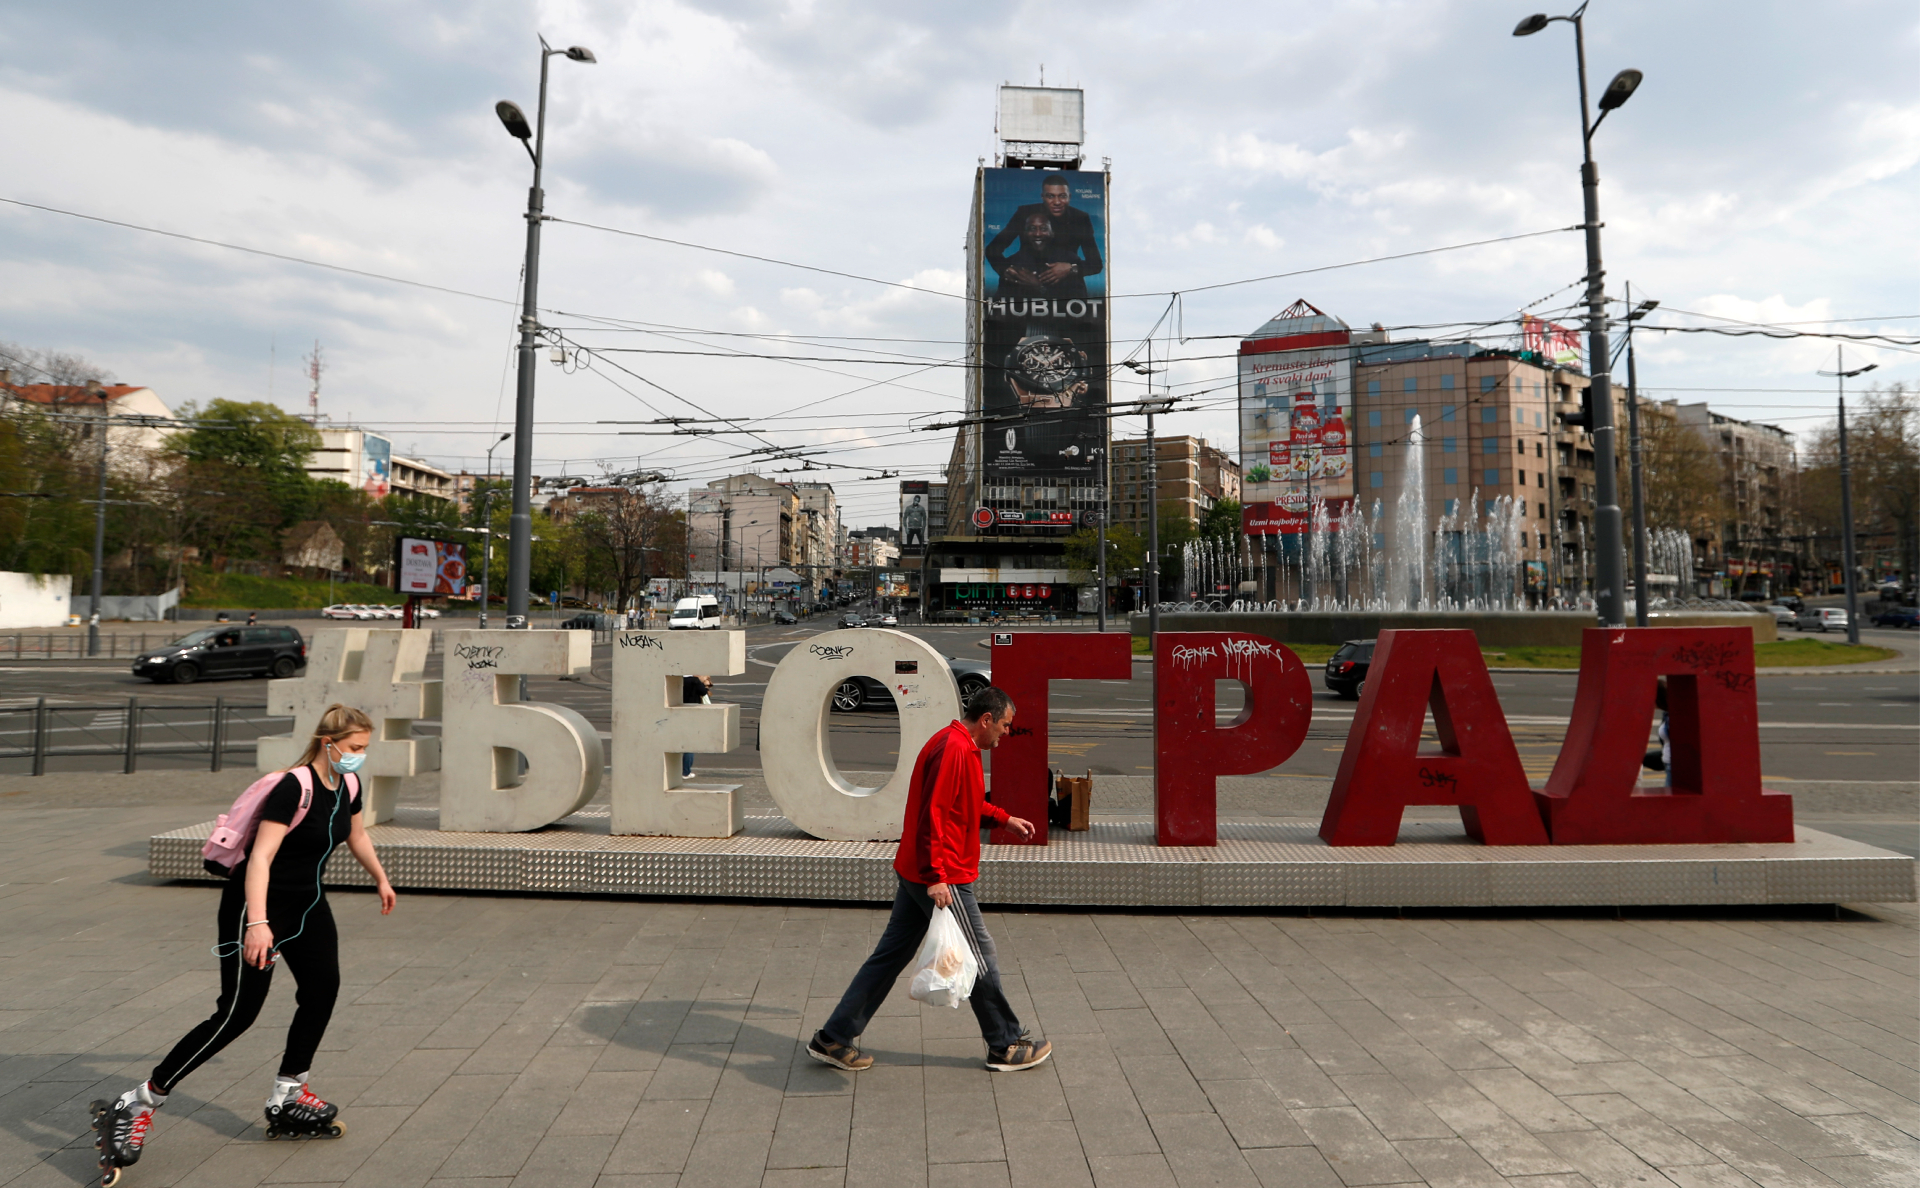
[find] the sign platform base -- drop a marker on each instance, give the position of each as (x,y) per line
(1263,863)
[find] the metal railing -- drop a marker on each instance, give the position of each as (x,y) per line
(50,645)
(43,729)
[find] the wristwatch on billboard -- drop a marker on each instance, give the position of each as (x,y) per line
(1047,370)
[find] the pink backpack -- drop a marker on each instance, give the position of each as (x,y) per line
(233,832)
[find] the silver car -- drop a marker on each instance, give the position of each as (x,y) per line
(1822,618)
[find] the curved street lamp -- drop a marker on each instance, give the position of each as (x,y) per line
(1610,558)
(520,525)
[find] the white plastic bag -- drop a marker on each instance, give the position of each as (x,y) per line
(945,968)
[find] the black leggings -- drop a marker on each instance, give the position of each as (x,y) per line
(314,957)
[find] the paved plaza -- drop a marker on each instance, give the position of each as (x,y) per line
(591,1041)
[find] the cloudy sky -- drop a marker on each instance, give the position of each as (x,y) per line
(1765,172)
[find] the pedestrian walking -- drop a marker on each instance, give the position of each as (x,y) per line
(253,618)
(273,907)
(936,865)
(694,690)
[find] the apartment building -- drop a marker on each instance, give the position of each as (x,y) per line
(1748,552)
(744,521)
(1192,476)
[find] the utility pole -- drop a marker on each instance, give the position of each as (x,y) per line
(1639,482)
(99,528)
(1841,376)
(1105,503)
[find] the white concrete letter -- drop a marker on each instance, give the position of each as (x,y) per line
(651,728)
(379,671)
(486,723)
(801,774)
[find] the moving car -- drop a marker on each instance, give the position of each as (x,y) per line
(590,621)
(225,651)
(345,610)
(1899,616)
(857,692)
(1347,668)
(1783,616)
(698,613)
(1822,618)
(784,617)
(889,620)
(852,620)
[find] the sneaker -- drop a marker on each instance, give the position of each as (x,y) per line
(839,1055)
(1026,1053)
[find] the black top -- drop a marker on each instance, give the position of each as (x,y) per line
(304,851)
(692,690)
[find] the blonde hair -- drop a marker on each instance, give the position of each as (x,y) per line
(335,724)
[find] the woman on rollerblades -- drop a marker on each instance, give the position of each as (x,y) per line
(273,907)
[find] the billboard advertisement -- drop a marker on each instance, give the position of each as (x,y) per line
(1554,343)
(1042,284)
(430,567)
(376,465)
(1296,440)
(915,501)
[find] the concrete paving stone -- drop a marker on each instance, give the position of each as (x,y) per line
(1521,1098)
(1045,1154)
(602,1103)
(503,1139)
(968,1175)
(1253,1114)
(726,1160)
(1291,1167)
(804,1177)
(1251,1027)
(1108,990)
(1639,1131)
(1392,1108)
(962,1127)
(1163,1085)
(1757,1156)
(1563,1180)
(1135,1032)
(1296,1078)
(1334,1050)
(1109,1119)
(334,1160)
(643,1180)
(1498,1138)
(1449,1163)
(1358,1153)
(687,1071)
(1177,1008)
(812,1132)
(1731,1104)
(1866,1171)
(1035,1096)
(1201,1152)
(887,1157)
(658,1138)
(1712,1175)
(1603,1161)
(1131,1171)
(563,1161)
(1211,1053)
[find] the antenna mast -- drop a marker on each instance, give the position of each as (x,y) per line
(314,368)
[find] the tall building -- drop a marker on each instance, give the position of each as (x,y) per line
(818,556)
(750,522)
(1193,476)
(1748,553)
(129,446)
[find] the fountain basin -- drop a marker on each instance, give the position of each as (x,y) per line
(1494,629)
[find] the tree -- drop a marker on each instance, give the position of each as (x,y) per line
(1125,550)
(250,459)
(632,535)
(1883,448)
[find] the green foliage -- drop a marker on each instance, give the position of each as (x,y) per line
(240,591)
(1125,550)
(255,435)
(1222,519)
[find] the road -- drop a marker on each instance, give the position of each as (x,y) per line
(1852,726)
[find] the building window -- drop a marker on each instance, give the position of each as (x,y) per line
(1410,385)
(1446,383)
(1374,450)
(1539,449)
(1446,412)
(1447,445)
(1379,540)
(1373,387)
(1543,537)
(1410,414)
(1376,479)
(1543,515)
(1519,416)
(1523,478)
(1373,418)
(1493,478)
(1450,505)
(1450,475)
(1489,444)
(1487,382)
(1541,483)
(1520,447)
(1538,423)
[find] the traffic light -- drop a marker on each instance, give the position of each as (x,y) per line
(1584,418)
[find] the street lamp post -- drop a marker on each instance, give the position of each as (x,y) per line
(486,518)
(1841,376)
(1610,560)
(99,529)
(520,526)
(1640,609)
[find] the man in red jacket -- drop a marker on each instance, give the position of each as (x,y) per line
(938,860)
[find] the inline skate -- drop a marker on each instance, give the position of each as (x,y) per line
(299,1114)
(120,1131)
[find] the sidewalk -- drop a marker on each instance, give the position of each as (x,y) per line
(628,1043)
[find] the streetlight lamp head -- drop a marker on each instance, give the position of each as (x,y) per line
(1531,25)
(514,119)
(581,53)
(1620,90)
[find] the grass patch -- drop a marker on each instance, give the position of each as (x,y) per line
(241,591)
(1800,653)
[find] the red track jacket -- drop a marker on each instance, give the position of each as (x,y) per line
(946,807)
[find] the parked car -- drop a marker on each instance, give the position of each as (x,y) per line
(225,651)
(341,610)
(590,621)
(1347,668)
(699,613)
(889,620)
(1899,616)
(784,617)
(1783,616)
(852,620)
(426,612)
(1822,618)
(857,692)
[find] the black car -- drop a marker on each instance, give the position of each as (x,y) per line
(591,621)
(1347,668)
(784,617)
(1899,616)
(852,620)
(225,651)
(859,691)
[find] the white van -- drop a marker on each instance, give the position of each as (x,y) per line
(695,614)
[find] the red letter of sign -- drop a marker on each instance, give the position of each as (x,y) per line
(1594,795)
(1189,750)
(1383,769)
(1023,663)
